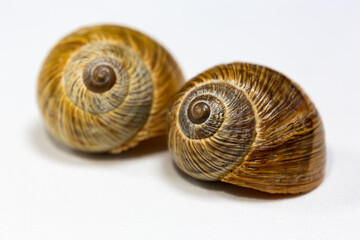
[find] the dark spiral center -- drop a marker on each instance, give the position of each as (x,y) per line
(98,76)
(199,112)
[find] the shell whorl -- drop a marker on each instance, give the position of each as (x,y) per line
(99,75)
(106,88)
(222,138)
(262,130)
(127,79)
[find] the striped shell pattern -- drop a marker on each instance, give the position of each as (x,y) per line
(247,125)
(106,88)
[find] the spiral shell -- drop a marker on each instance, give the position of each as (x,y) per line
(250,126)
(106,88)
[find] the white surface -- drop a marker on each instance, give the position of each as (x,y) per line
(49,192)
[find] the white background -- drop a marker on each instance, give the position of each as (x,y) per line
(50,192)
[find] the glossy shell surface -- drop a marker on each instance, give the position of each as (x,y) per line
(247,125)
(106,88)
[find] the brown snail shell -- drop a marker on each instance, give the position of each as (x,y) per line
(250,126)
(106,88)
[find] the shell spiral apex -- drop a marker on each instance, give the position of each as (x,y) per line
(106,88)
(247,125)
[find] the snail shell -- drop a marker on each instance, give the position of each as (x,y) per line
(250,126)
(106,88)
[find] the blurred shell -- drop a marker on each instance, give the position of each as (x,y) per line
(106,88)
(250,126)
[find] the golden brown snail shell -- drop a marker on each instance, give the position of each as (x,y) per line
(106,88)
(250,126)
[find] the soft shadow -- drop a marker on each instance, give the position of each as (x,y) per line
(228,189)
(187,183)
(329,162)
(44,143)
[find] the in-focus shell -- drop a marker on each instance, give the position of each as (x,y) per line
(250,126)
(106,88)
